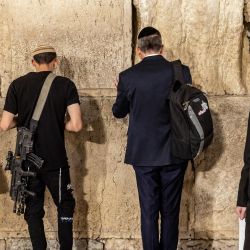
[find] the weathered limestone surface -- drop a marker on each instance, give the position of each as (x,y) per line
(2,244)
(105,189)
(247,10)
(93,39)
(208,245)
(217,175)
(123,244)
(25,244)
(246,47)
(206,35)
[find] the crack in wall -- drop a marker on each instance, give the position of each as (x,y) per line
(100,209)
(245,46)
(134,29)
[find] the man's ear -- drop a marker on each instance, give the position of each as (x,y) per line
(140,53)
(33,62)
(55,63)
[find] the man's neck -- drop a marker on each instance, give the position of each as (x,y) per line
(152,54)
(44,67)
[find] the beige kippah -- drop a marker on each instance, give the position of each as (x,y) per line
(43,49)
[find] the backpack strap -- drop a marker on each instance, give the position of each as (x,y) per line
(178,73)
(41,101)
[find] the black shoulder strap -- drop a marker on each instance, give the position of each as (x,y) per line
(178,73)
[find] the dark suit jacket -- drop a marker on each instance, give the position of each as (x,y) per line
(143,93)
(244,188)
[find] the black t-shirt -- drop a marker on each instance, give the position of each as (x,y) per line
(21,99)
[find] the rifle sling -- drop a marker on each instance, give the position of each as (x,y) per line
(41,101)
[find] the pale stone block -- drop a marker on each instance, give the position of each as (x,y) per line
(2,244)
(95,245)
(208,245)
(80,244)
(200,34)
(123,244)
(92,38)
(18,244)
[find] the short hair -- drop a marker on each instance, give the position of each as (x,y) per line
(149,39)
(45,58)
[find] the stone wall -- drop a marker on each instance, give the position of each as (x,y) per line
(95,40)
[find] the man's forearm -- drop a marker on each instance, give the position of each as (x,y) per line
(68,126)
(6,127)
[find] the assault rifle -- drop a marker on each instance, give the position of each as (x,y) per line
(24,162)
(20,165)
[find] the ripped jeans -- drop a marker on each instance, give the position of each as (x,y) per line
(58,184)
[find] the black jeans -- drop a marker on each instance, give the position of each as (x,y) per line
(58,184)
(160,191)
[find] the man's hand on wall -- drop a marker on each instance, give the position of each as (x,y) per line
(116,82)
(241,212)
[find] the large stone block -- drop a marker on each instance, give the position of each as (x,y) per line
(2,244)
(93,39)
(218,171)
(95,245)
(208,245)
(105,189)
(25,244)
(206,35)
(18,244)
(123,244)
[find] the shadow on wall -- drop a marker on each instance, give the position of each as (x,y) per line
(74,68)
(65,68)
(84,173)
(93,132)
(201,201)
(3,180)
(79,148)
(208,159)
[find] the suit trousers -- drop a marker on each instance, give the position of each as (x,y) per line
(160,191)
(58,184)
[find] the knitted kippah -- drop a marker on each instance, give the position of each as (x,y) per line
(43,49)
(148,31)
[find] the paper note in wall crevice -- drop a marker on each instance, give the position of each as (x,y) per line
(242,226)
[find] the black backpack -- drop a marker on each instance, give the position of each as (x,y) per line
(191,120)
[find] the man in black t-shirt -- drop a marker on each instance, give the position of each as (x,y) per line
(49,142)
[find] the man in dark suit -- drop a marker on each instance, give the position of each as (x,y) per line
(143,93)
(243,204)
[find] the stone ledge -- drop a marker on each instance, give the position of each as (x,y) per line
(25,244)
(208,245)
(120,244)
